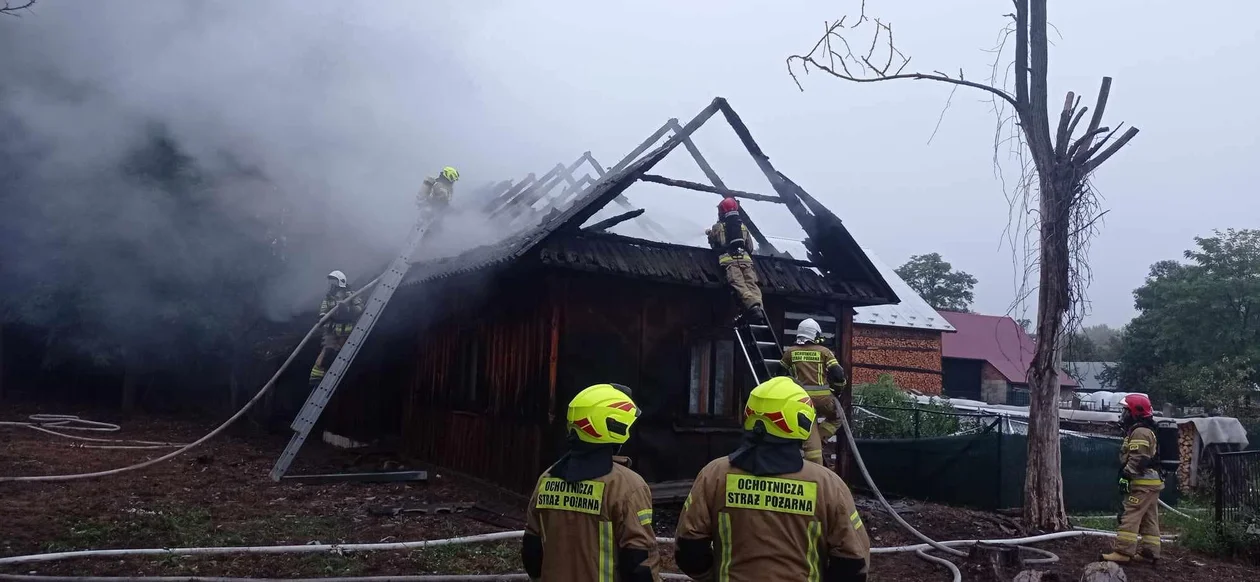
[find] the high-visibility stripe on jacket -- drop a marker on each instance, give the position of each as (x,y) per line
(810,513)
(341,324)
(588,528)
(808,365)
(717,240)
(1139,456)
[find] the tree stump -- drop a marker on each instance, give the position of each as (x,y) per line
(1036,576)
(994,562)
(1104,572)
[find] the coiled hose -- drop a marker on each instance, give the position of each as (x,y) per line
(183,448)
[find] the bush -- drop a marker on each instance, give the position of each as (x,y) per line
(1226,540)
(901,413)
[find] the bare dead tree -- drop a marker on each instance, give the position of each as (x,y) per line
(1052,199)
(12,10)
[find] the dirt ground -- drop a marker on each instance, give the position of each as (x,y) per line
(220,495)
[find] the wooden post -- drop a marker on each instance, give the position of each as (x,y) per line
(842,345)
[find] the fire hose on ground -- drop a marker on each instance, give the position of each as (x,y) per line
(40,425)
(45,423)
(920,550)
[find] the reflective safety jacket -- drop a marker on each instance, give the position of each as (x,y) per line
(717,240)
(814,367)
(1139,455)
(435,192)
(343,321)
(794,527)
(599,530)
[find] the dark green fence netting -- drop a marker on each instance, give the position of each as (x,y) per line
(986,470)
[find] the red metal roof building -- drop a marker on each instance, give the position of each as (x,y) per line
(987,359)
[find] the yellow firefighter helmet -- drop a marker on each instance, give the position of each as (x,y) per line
(781,407)
(602,414)
(451,174)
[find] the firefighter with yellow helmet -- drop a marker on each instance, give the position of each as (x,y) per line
(763,513)
(590,517)
(438,190)
(816,369)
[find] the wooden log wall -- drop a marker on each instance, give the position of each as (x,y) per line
(911,356)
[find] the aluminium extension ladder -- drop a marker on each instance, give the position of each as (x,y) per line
(761,348)
(385,287)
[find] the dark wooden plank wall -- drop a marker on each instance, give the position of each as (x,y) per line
(477,400)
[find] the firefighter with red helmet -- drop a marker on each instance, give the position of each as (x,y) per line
(1137,537)
(590,517)
(762,513)
(731,239)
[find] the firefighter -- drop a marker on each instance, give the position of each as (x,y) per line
(437,191)
(730,237)
(590,518)
(338,327)
(816,369)
(1137,537)
(763,513)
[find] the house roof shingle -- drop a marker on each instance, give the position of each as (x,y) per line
(998,340)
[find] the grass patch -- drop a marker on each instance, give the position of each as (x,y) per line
(183,526)
(470,558)
(1226,540)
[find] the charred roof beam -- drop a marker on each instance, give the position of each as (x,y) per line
(711,189)
(614,221)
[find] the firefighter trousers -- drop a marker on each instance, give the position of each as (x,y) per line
(742,276)
(1139,523)
(331,347)
(825,424)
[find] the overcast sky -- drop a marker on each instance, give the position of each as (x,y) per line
(358,101)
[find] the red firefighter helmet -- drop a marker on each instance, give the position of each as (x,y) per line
(727,205)
(1138,406)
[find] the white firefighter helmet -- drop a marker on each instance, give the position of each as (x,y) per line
(808,331)
(339,277)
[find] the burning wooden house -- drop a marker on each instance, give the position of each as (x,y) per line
(485,348)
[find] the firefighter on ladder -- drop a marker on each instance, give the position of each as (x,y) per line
(763,513)
(437,190)
(1137,537)
(730,237)
(816,369)
(590,517)
(338,327)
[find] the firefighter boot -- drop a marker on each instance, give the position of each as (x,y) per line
(1116,557)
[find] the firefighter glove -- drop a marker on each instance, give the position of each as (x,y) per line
(1123,486)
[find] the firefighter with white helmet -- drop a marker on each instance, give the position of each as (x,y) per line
(338,327)
(438,190)
(763,513)
(1137,537)
(816,369)
(590,517)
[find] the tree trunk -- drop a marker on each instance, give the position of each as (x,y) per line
(1043,490)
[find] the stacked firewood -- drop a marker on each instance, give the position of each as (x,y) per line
(1185,446)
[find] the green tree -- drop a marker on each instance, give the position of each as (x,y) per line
(938,283)
(1196,339)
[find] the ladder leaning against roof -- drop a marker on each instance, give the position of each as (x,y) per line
(376,303)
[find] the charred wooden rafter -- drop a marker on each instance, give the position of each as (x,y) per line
(614,221)
(711,189)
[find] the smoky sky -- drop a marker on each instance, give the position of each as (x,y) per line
(346,107)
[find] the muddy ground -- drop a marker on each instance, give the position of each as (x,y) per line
(220,495)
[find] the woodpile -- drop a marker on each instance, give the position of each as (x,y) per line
(1185,446)
(911,356)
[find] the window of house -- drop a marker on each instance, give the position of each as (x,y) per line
(469,391)
(712,383)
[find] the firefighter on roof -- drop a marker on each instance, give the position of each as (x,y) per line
(730,237)
(590,518)
(1137,538)
(816,369)
(437,191)
(763,513)
(338,327)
